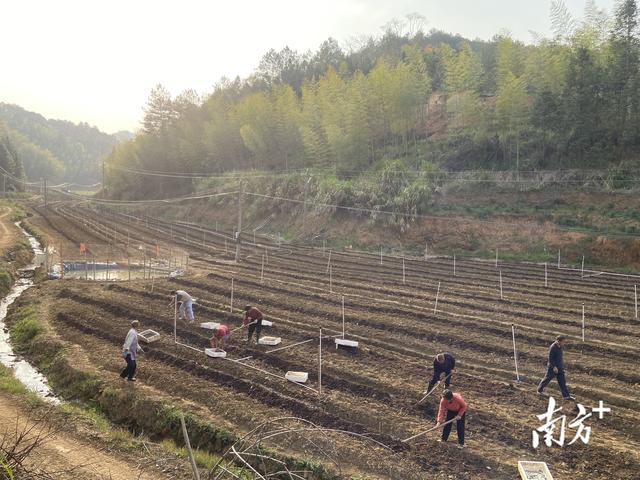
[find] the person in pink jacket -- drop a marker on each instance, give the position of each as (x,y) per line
(455,408)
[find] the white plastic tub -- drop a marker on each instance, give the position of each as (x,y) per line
(298,377)
(267,323)
(215,353)
(148,336)
(269,341)
(346,343)
(209,325)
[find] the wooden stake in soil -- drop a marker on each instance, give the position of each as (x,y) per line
(515,353)
(635,295)
(582,322)
(330,279)
(343,316)
(454,264)
(403,275)
(435,307)
(185,434)
(546,284)
(231,304)
(558,259)
(582,269)
(426,251)
(262,271)
(320,364)
(175,318)
(501,296)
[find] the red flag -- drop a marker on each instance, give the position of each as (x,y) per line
(83,248)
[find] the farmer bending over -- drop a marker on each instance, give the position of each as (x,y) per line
(220,336)
(186,304)
(456,408)
(442,363)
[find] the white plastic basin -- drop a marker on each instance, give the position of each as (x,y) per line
(298,377)
(269,340)
(209,325)
(148,336)
(267,323)
(215,353)
(346,343)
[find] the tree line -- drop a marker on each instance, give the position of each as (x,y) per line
(431,99)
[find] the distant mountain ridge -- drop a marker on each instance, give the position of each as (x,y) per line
(58,150)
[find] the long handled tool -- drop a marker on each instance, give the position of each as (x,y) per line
(431,429)
(242,326)
(434,387)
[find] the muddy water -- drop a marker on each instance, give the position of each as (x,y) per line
(23,370)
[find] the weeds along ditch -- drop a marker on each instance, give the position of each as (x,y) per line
(374,390)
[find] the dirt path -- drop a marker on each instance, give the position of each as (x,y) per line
(6,234)
(65,452)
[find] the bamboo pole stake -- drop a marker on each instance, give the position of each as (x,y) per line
(515,353)
(582,269)
(496,258)
(231,304)
(129,267)
(185,434)
(501,296)
(380,254)
(266,255)
(343,316)
(320,364)
(329,261)
(582,322)
(175,318)
(635,294)
(558,259)
(426,251)
(454,264)
(262,271)
(403,274)
(435,307)
(330,279)
(546,284)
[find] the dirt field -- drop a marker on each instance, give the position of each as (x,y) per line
(373,391)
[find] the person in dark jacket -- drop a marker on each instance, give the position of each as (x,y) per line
(555,368)
(442,363)
(253,321)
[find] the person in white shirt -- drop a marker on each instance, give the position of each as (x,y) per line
(186,304)
(130,350)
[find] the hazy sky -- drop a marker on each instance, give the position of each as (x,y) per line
(97,60)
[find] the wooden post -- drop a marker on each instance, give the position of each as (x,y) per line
(515,353)
(546,284)
(320,364)
(343,316)
(403,274)
(426,251)
(435,307)
(582,269)
(175,318)
(262,271)
(635,295)
(330,279)
(558,259)
(231,304)
(582,322)
(454,264)
(501,296)
(240,198)
(185,434)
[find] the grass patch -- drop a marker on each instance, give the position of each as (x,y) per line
(26,328)
(9,383)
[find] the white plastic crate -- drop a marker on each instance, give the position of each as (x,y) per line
(148,336)
(269,341)
(534,471)
(215,353)
(298,377)
(346,343)
(209,325)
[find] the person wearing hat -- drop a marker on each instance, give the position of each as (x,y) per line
(442,363)
(186,304)
(220,336)
(130,349)
(455,408)
(253,321)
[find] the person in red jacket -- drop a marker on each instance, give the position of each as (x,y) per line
(220,336)
(253,321)
(456,408)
